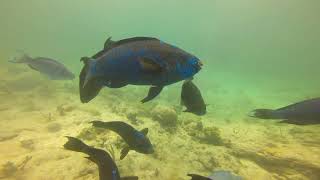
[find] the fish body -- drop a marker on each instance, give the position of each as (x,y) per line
(49,67)
(108,170)
(217,175)
(136,140)
(301,113)
(136,61)
(191,98)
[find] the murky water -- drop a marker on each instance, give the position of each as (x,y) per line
(255,55)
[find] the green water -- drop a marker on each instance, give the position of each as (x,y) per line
(255,54)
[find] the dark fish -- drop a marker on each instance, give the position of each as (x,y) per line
(192,99)
(136,140)
(198,177)
(302,113)
(51,68)
(136,61)
(108,170)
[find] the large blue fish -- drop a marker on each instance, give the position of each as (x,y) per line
(301,113)
(136,61)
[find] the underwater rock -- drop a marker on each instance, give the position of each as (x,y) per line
(54,127)
(27,144)
(9,169)
(208,135)
(63,109)
(166,116)
(5,135)
(132,116)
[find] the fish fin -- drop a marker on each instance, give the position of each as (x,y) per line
(108,43)
(145,131)
(129,178)
(153,92)
(198,177)
(32,67)
(124,152)
(300,122)
(74,144)
(150,65)
(89,158)
(98,124)
(89,85)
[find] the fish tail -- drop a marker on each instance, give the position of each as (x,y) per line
(23,58)
(88,85)
(264,114)
(74,144)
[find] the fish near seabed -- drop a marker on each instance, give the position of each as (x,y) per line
(302,113)
(51,68)
(217,175)
(191,98)
(136,61)
(136,140)
(108,169)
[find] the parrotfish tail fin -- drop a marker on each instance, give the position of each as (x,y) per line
(74,144)
(263,114)
(198,177)
(99,124)
(22,58)
(153,92)
(89,85)
(129,178)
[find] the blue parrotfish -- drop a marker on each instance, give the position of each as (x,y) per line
(136,61)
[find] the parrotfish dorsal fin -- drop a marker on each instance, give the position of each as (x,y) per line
(145,131)
(108,43)
(128,40)
(150,65)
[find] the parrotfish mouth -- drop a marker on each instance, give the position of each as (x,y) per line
(252,113)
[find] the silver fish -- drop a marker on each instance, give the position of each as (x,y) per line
(53,69)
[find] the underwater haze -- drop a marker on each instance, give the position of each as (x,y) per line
(255,54)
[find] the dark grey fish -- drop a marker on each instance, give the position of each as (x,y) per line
(302,113)
(51,68)
(136,140)
(191,98)
(108,169)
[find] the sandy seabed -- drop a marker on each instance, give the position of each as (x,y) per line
(37,113)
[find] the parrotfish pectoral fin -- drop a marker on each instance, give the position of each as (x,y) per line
(129,178)
(124,152)
(153,92)
(150,65)
(145,131)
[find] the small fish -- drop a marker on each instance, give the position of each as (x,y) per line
(302,113)
(53,69)
(192,99)
(136,140)
(108,170)
(217,175)
(135,61)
